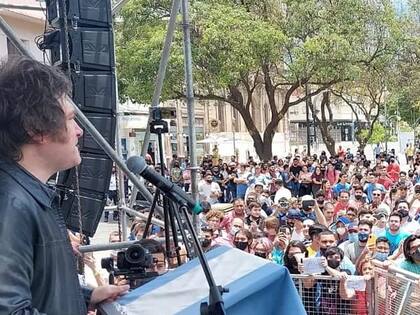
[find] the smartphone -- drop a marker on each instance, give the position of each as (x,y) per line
(371,240)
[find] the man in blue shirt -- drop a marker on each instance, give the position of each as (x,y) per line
(341,185)
(393,233)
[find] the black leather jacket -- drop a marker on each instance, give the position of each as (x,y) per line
(37,264)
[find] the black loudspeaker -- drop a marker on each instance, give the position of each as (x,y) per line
(91,202)
(94,91)
(89,48)
(105,124)
(94,174)
(89,54)
(83,12)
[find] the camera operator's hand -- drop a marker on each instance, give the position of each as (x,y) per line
(107,293)
(120,281)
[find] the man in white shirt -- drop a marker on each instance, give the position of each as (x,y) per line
(209,190)
(282,192)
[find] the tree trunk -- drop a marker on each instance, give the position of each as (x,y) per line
(324,123)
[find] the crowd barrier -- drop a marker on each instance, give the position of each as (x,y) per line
(397,292)
(389,292)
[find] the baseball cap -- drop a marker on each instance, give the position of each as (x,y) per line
(344,220)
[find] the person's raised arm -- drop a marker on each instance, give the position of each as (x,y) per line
(319,215)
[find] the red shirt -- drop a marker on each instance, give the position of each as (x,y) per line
(386,182)
(393,171)
(340,206)
(361,307)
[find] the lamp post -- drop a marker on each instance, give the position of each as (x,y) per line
(234,135)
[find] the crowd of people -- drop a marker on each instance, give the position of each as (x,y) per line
(351,212)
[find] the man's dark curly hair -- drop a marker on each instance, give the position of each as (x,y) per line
(30,104)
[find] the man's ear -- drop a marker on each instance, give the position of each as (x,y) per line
(38,138)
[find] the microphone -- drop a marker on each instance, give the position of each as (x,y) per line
(137,165)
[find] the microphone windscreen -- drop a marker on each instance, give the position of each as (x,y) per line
(136,164)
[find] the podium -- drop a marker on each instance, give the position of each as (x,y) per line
(256,286)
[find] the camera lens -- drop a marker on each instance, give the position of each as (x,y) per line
(135,254)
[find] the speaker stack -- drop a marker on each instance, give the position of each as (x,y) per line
(82,44)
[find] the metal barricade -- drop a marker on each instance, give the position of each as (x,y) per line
(320,295)
(389,292)
(397,292)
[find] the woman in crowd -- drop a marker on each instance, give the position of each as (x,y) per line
(262,248)
(327,189)
(305,179)
(317,177)
(292,256)
(243,240)
(411,249)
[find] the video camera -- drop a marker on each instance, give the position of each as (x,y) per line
(131,264)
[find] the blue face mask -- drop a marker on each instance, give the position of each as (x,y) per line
(363,237)
(353,237)
(380,256)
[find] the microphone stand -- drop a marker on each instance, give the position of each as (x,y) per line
(215,306)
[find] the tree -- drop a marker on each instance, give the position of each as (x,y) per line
(368,93)
(324,122)
(242,46)
(404,99)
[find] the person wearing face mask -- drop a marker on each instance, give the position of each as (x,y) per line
(262,249)
(333,294)
(237,224)
(381,217)
(352,250)
(243,240)
(206,239)
(341,229)
(411,249)
(326,240)
(381,252)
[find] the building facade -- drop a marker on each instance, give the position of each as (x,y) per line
(27,24)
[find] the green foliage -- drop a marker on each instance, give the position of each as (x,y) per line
(239,45)
(320,41)
(379,134)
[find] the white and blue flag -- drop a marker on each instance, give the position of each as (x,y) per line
(256,286)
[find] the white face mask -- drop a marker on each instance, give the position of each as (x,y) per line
(341,231)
